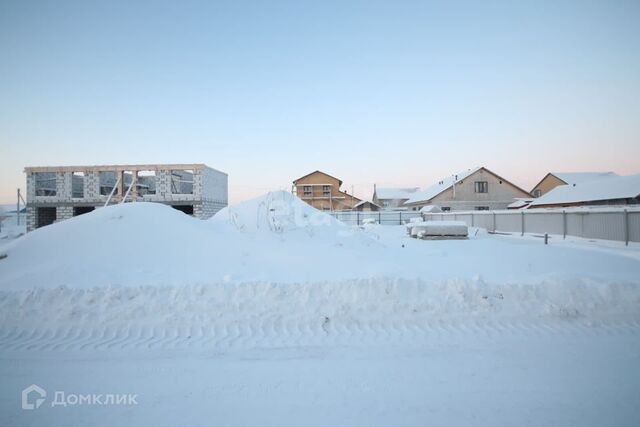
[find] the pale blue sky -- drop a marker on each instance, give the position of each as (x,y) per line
(397,93)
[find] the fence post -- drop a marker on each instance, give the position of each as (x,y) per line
(626,227)
(564,224)
(400,217)
(379,217)
(357,218)
(18,207)
(494,221)
(473,220)
(522,223)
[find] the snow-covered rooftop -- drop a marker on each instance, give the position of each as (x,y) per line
(396,193)
(430,192)
(610,188)
(519,203)
(578,177)
(362,202)
(430,208)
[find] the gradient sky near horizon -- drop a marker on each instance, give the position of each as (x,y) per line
(398,93)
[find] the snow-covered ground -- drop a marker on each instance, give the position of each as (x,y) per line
(10,228)
(274,313)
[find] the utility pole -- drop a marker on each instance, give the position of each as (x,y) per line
(19,198)
(18,206)
(352,196)
(455,178)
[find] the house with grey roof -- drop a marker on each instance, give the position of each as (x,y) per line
(554,179)
(392,198)
(473,189)
(610,190)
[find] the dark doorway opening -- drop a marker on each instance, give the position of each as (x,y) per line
(45,216)
(188,209)
(79,210)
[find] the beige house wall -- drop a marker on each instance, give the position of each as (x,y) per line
(499,195)
(547,184)
(337,200)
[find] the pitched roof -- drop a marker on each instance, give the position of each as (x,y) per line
(430,208)
(519,202)
(362,202)
(611,188)
(442,185)
(317,171)
(577,177)
(396,193)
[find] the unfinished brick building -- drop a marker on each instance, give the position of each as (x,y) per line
(56,193)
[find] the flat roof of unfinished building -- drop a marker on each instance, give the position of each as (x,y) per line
(97,168)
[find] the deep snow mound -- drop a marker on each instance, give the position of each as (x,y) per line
(276,238)
(270,238)
(106,245)
(128,223)
(278,212)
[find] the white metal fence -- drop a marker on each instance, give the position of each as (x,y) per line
(621,224)
(381,217)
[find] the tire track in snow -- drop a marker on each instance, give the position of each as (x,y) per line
(277,332)
(267,316)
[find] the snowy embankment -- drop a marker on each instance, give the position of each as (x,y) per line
(263,315)
(278,239)
(273,271)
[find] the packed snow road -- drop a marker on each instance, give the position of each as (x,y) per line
(574,376)
(272,313)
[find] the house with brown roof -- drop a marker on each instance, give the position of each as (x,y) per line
(322,191)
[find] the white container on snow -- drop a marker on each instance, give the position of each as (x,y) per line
(438,229)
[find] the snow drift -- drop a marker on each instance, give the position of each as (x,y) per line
(277,238)
(254,315)
(274,271)
(277,212)
(152,244)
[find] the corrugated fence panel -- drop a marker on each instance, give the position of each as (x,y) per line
(575,223)
(543,222)
(608,225)
(484,220)
(507,221)
(605,225)
(634,226)
(467,218)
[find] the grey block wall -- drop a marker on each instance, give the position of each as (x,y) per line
(64,212)
(215,192)
(31,218)
(209,192)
